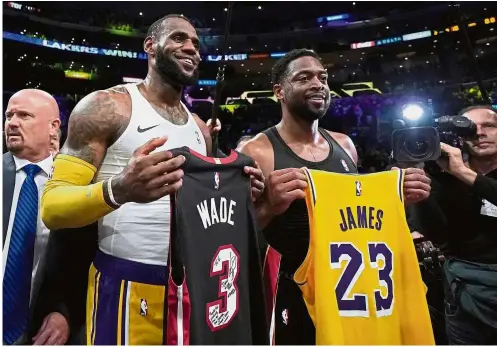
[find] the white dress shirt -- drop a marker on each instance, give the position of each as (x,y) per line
(42,232)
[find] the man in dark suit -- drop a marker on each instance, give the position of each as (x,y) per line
(32,118)
(69,255)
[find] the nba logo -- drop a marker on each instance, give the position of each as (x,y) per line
(345,166)
(358,188)
(143,307)
(216,180)
(284,316)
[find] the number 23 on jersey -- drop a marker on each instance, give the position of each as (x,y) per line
(361,275)
(352,262)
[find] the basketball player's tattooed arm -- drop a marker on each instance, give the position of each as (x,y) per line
(92,124)
(96,121)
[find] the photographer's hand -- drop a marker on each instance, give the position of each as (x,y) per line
(416,185)
(453,163)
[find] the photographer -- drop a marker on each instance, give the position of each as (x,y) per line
(461,213)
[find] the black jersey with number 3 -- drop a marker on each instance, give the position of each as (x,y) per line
(215,291)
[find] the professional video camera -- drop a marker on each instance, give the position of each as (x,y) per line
(414,143)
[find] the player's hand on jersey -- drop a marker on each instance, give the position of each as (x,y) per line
(257,181)
(416,185)
(148,176)
(284,187)
(213,129)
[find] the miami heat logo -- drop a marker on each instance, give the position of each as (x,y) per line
(216,180)
(358,188)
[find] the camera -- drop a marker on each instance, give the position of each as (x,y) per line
(418,144)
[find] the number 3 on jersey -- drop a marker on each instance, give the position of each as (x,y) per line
(225,264)
(356,305)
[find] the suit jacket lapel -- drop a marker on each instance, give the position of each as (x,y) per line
(9,181)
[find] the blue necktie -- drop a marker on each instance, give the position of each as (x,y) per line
(17,276)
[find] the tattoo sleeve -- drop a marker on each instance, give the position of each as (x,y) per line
(93,122)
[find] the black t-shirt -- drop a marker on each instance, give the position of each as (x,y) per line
(461,217)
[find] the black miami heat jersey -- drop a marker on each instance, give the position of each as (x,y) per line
(215,289)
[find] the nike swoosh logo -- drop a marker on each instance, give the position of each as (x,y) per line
(141,130)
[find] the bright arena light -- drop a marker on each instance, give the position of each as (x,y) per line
(412,112)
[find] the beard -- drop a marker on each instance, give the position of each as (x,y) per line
(15,146)
(170,71)
(301,109)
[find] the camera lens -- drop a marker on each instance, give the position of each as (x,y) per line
(417,145)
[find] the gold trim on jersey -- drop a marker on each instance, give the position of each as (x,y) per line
(300,276)
(92,305)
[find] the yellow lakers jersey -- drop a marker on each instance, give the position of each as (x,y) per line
(361,280)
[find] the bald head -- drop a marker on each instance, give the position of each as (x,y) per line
(32,118)
(45,103)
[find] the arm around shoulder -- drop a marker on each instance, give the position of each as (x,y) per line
(69,200)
